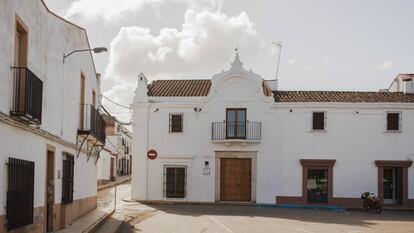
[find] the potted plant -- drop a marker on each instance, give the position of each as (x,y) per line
(371,201)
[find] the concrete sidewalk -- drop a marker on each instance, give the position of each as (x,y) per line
(88,222)
(118,180)
(92,220)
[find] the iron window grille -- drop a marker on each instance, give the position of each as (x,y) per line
(394,120)
(318,121)
(20,193)
(175,181)
(67,178)
(176,123)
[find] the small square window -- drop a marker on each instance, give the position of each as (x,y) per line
(318,121)
(393,121)
(176,123)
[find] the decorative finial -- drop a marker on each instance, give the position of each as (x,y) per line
(236,63)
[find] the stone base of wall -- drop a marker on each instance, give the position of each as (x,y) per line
(38,226)
(72,211)
(341,201)
(63,215)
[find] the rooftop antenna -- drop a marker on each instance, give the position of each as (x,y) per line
(279,45)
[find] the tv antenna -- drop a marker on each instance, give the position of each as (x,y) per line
(279,45)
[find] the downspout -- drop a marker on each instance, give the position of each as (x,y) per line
(148,121)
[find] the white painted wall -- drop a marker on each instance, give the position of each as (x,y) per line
(49,38)
(19,143)
(355,140)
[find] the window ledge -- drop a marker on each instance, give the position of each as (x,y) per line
(318,131)
(392,131)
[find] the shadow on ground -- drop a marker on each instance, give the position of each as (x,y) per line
(353,217)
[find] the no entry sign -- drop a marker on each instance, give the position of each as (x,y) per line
(152,154)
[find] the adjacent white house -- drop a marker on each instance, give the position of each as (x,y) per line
(232,138)
(50,128)
(116,157)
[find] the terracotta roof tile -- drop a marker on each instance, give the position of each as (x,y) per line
(179,88)
(343,96)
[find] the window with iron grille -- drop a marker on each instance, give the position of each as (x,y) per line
(67,178)
(393,121)
(319,121)
(176,123)
(20,193)
(175,181)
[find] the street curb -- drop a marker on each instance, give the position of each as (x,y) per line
(112,185)
(98,223)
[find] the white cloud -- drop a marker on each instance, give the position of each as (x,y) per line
(204,42)
(110,10)
(386,65)
(291,62)
(326,59)
(122,94)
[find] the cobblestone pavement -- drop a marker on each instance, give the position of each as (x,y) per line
(136,217)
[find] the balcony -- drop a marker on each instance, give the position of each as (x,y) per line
(236,131)
(28,91)
(92,124)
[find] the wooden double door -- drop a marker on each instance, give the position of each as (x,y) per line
(235,179)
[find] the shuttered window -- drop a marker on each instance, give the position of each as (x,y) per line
(393,121)
(67,178)
(176,123)
(318,121)
(175,181)
(20,193)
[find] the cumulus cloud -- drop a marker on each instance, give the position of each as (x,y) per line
(204,42)
(110,10)
(123,94)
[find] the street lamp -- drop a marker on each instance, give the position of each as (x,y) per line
(95,50)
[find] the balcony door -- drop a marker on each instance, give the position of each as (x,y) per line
(236,123)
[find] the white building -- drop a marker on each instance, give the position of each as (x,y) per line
(116,158)
(47,108)
(231,138)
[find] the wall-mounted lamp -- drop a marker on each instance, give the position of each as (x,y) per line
(95,50)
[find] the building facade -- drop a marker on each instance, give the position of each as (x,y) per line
(232,138)
(50,129)
(116,157)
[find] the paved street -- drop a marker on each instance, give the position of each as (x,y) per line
(136,217)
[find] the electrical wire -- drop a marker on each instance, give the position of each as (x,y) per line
(119,122)
(120,105)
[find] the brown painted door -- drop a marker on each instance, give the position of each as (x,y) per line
(235,179)
(50,190)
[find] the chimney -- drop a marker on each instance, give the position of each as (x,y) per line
(141,92)
(408,86)
(273,84)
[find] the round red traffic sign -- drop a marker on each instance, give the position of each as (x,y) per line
(152,154)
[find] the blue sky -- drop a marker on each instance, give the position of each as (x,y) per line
(327,45)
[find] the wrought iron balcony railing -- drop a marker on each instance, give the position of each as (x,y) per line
(28,91)
(245,130)
(91,123)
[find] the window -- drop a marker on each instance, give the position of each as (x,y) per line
(20,195)
(236,123)
(393,121)
(67,178)
(318,121)
(175,181)
(176,123)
